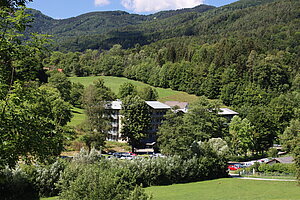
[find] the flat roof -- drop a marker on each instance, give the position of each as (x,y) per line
(114,105)
(157,105)
(117,105)
(227,111)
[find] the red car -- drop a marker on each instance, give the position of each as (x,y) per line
(234,167)
(133,154)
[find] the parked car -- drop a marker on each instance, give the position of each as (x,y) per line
(248,164)
(133,154)
(123,155)
(235,166)
(126,157)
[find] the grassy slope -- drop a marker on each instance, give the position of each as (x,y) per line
(78,117)
(115,82)
(223,189)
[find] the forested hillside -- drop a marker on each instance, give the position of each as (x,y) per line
(247,54)
(267,20)
(100,30)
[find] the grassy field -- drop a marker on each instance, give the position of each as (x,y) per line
(115,82)
(50,198)
(228,189)
(78,117)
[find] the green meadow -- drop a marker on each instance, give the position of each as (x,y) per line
(115,82)
(78,116)
(228,189)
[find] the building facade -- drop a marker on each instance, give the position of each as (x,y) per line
(157,112)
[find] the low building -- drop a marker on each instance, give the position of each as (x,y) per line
(283,160)
(178,106)
(227,113)
(184,107)
(157,112)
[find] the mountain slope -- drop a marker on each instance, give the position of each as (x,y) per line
(103,25)
(101,30)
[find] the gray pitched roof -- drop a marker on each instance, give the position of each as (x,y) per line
(286,160)
(181,105)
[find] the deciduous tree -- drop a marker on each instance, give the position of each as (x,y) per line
(135,120)
(148,94)
(95,98)
(127,89)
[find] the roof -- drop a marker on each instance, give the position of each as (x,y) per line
(157,105)
(114,105)
(227,111)
(286,160)
(181,105)
(117,105)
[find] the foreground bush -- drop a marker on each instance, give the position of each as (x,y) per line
(170,170)
(95,181)
(15,185)
(44,177)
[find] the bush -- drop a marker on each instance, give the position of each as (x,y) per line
(15,185)
(278,168)
(121,179)
(44,177)
(272,152)
(96,181)
(170,170)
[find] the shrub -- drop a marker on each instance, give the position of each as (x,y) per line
(85,156)
(278,168)
(44,177)
(95,181)
(170,170)
(15,185)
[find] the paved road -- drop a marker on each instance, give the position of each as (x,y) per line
(259,179)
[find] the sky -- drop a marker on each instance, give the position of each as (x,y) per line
(61,9)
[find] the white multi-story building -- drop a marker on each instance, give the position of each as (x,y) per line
(157,112)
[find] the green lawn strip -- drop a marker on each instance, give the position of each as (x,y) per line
(78,117)
(50,198)
(223,189)
(115,82)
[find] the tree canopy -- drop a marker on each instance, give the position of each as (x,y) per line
(32,118)
(95,98)
(135,120)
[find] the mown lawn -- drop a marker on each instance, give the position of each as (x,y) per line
(225,189)
(115,82)
(78,117)
(50,198)
(228,189)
